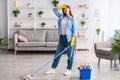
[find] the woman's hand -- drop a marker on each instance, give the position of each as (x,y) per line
(61,7)
(72,41)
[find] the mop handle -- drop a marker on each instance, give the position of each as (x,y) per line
(42,67)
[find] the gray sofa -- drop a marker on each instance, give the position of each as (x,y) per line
(38,40)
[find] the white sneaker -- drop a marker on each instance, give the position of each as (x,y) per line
(51,71)
(68,72)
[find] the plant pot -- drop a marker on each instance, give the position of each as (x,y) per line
(39,15)
(55,5)
(16,15)
(83,25)
(43,26)
(98,33)
(29,15)
(55,26)
(117,67)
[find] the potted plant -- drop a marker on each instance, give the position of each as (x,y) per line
(116,44)
(83,23)
(16,12)
(40,13)
(3,42)
(98,31)
(43,24)
(55,2)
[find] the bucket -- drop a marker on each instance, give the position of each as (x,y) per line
(85,73)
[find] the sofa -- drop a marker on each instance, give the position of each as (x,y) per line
(38,40)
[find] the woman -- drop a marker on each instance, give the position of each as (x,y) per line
(67,33)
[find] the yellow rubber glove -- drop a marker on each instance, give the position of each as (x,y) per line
(61,7)
(72,41)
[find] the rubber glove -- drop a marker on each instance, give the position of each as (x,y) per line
(72,41)
(61,7)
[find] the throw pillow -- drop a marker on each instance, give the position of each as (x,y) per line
(22,38)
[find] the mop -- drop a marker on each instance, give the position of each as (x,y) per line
(30,76)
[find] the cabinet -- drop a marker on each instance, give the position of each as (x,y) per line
(29,18)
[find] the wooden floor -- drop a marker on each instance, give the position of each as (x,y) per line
(13,67)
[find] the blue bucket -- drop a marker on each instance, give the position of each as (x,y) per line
(85,73)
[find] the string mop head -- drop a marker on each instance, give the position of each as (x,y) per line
(28,77)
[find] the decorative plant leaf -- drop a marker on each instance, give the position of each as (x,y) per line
(3,42)
(116,45)
(16,11)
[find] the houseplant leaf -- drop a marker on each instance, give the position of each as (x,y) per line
(116,44)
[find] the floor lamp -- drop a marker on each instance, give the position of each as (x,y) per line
(96,15)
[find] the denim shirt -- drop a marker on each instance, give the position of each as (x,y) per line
(70,26)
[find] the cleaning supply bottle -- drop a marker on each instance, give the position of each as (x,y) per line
(84,67)
(88,67)
(81,67)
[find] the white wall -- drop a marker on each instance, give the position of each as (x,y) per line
(3,18)
(109,17)
(114,17)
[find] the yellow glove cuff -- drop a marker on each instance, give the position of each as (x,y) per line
(61,7)
(72,41)
(73,38)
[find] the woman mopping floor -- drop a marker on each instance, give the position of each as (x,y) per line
(67,33)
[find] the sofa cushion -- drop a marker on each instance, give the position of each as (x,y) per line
(31,44)
(104,51)
(51,44)
(34,35)
(52,36)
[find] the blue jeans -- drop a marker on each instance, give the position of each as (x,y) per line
(61,46)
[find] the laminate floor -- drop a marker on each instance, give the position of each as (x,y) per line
(13,67)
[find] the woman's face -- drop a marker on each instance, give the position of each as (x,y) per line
(66,10)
